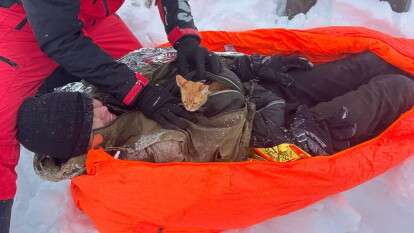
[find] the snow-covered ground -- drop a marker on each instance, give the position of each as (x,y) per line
(382,205)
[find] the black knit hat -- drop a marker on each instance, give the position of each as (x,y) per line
(56,124)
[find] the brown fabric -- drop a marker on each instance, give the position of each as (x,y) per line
(220,137)
(224,137)
(49,169)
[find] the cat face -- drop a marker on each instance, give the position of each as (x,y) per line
(193,94)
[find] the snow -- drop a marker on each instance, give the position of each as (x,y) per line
(382,205)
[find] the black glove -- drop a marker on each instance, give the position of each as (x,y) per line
(190,56)
(323,133)
(309,131)
(276,68)
(269,118)
(159,105)
(342,127)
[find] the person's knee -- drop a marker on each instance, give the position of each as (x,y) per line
(366,57)
(405,85)
(401,80)
(372,64)
(396,88)
(397,82)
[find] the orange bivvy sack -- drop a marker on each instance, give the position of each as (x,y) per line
(139,197)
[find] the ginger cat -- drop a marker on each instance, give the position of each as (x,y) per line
(195,94)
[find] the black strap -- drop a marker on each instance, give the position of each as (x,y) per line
(21,24)
(8,61)
(7,3)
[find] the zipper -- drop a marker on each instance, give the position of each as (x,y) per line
(105,3)
(20,25)
(224,91)
(8,61)
(274,102)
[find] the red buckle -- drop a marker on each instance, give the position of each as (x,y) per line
(139,85)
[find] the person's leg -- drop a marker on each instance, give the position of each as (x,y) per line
(327,81)
(23,66)
(5,214)
(372,107)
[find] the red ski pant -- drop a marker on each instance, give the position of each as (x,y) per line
(23,67)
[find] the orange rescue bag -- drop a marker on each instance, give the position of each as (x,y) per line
(138,197)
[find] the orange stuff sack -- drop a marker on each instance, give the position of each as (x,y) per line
(138,197)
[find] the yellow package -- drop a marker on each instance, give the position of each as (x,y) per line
(281,153)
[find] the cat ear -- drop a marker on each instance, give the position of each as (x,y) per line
(180,80)
(204,90)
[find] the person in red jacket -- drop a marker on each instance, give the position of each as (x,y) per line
(81,39)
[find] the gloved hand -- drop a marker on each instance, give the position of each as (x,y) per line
(342,127)
(310,132)
(322,133)
(275,68)
(191,55)
(159,105)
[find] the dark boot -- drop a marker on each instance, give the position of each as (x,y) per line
(294,7)
(399,5)
(5,215)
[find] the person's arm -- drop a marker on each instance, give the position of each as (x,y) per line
(59,34)
(184,36)
(177,19)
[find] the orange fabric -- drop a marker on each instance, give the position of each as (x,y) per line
(132,197)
